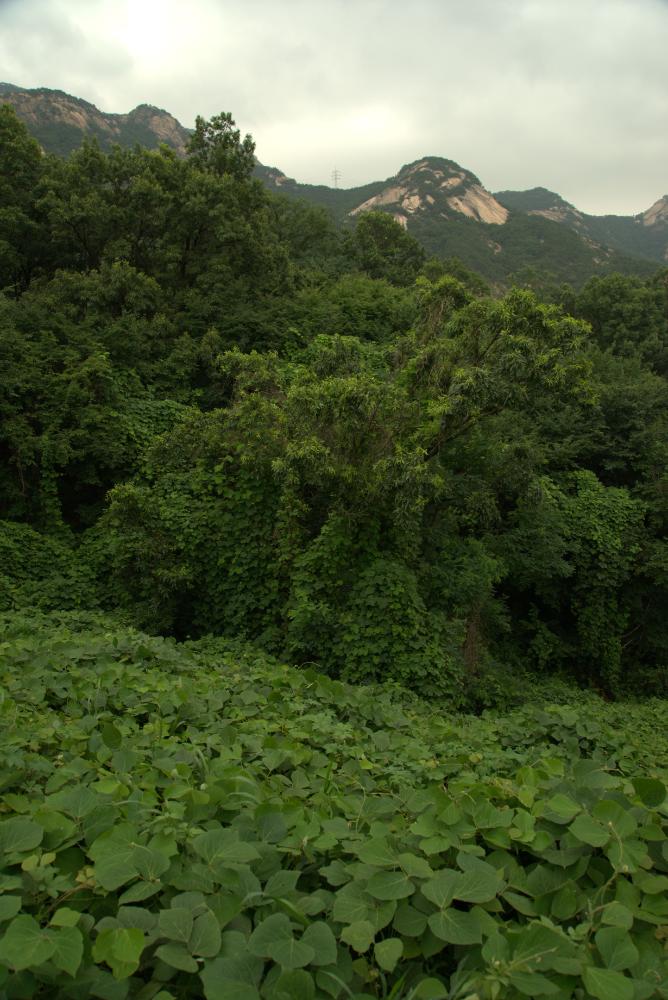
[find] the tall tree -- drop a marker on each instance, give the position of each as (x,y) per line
(216,145)
(20,171)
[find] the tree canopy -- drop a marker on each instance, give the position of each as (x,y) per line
(245,421)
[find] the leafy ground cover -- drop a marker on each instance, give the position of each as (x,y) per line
(179,821)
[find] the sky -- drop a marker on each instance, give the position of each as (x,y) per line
(571,95)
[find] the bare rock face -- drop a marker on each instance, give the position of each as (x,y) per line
(479,204)
(657,213)
(164,126)
(60,122)
(434,186)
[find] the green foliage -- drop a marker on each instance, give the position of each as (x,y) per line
(354,306)
(20,171)
(73,423)
(220,417)
(609,529)
(628,316)
(313,499)
(217,146)
(436,268)
(374,511)
(382,248)
(575,552)
(41,571)
(201,820)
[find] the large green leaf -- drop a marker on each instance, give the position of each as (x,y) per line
(235,974)
(65,917)
(550,942)
(561,808)
(409,921)
(390,885)
(219,984)
(223,845)
(651,791)
(295,985)
(388,952)
(359,935)
(290,953)
(479,883)
(69,948)
(176,924)
(111,735)
(616,947)
(532,984)
(430,989)
(320,937)
(18,835)
(377,852)
(149,862)
(113,853)
(615,817)
(587,830)
(121,949)
(627,855)
(273,938)
(414,866)
(281,883)
(9,907)
(25,944)
(276,927)
(205,939)
(604,984)
(617,915)
(177,956)
(456,926)
(441,888)
(351,903)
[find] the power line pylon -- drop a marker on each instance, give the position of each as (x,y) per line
(336,177)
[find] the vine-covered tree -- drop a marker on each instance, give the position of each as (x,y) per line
(233,418)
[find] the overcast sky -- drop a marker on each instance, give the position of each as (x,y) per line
(567,94)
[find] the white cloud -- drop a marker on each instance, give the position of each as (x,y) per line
(569,94)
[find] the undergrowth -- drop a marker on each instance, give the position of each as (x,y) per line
(179,821)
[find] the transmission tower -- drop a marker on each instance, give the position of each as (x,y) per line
(336,177)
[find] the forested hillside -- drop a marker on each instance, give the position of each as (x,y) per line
(60,122)
(533,238)
(333,645)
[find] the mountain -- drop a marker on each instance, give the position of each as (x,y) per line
(540,201)
(431,186)
(530,235)
(60,122)
(644,235)
(511,236)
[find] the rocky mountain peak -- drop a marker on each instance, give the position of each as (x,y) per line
(60,121)
(436,186)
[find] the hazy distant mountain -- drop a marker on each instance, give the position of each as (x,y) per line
(505,236)
(540,201)
(645,235)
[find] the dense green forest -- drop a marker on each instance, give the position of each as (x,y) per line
(333,635)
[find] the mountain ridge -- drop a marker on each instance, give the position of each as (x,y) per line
(503,236)
(444,205)
(59,121)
